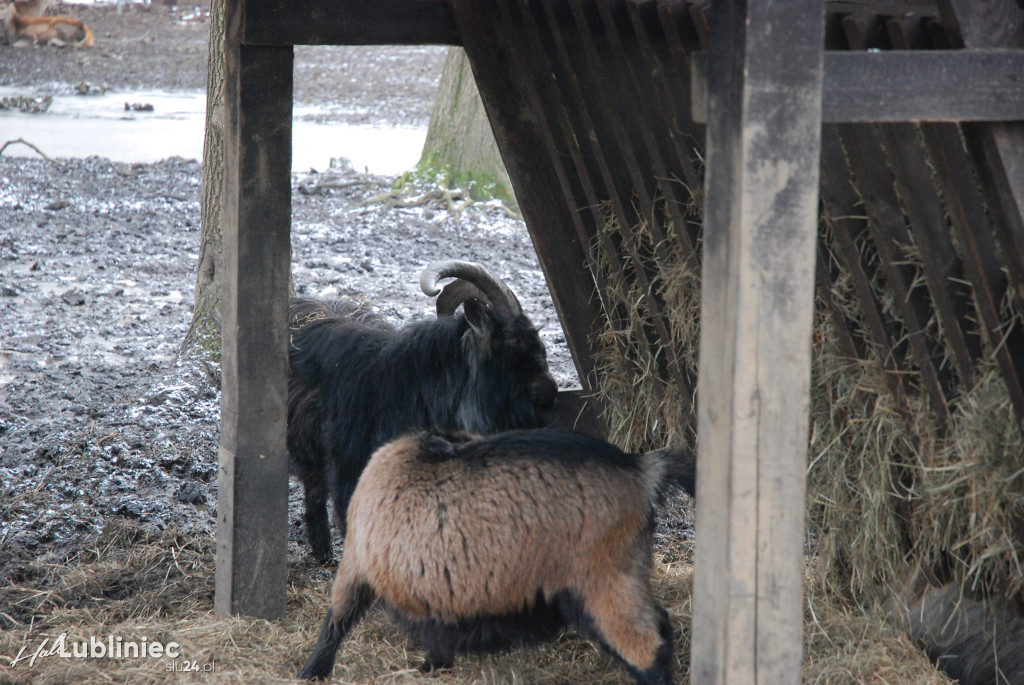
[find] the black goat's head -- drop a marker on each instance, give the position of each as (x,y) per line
(513,387)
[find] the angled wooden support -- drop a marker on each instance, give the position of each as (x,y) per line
(543,186)
(252,500)
(761,212)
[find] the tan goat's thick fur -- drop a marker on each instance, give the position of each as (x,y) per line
(504,524)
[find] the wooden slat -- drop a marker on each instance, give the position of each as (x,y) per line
(982,266)
(923,206)
(755,351)
(671,81)
(651,115)
(910,85)
(941,266)
(828,270)
(998,148)
(553,91)
(588,125)
(883,7)
(890,236)
(349,22)
(849,230)
(649,125)
(252,499)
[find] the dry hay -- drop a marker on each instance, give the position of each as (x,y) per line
(135,583)
(886,490)
(643,410)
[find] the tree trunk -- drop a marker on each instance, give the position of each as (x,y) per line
(204,332)
(460,151)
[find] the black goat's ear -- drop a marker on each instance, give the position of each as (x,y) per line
(479,317)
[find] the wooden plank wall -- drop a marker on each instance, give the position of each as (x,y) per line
(609,86)
(602,145)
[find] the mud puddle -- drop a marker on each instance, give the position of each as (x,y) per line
(147,126)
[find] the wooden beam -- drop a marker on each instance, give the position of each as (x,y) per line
(761,213)
(252,500)
(543,187)
(349,22)
(909,85)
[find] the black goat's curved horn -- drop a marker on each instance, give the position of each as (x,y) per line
(454,294)
(480,281)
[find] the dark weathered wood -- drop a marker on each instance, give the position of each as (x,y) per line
(545,190)
(583,123)
(349,22)
(673,95)
(252,499)
(849,231)
(941,266)
(890,237)
(828,269)
(883,7)
(923,206)
(998,148)
(910,85)
(624,169)
(649,109)
(761,215)
(554,93)
(636,99)
(982,265)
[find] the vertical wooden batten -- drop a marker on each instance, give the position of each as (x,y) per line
(252,501)
(762,169)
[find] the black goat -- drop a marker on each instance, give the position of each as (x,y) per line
(356,382)
(483,544)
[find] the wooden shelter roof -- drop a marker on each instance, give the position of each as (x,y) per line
(598,107)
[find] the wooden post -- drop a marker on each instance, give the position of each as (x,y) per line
(252,500)
(763,143)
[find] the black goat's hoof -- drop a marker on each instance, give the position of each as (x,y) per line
(436,662)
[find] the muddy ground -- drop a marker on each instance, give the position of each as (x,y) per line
(101,415)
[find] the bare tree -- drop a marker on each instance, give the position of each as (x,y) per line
(460,151)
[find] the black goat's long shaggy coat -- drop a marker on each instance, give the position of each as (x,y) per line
(356,382)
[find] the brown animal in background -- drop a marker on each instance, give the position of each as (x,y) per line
(479,544)
(59,31)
